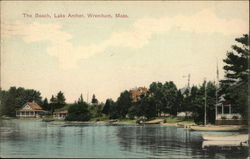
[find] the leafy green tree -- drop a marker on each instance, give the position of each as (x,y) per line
(137,109)
(235,84)
(123,103)
(78,112)
(178,102)
(198,103)
(163,97)
(155,90)
(114,111)
(190,97)
(3,98)
(15,98)
(98,110)
(148,107)
(169,92)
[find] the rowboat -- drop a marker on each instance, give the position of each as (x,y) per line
(223,144)
(225,137)
(219,128)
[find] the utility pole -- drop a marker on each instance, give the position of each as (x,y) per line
(88,97)
(188,84)
(189,81)
(205,105)
(217,87)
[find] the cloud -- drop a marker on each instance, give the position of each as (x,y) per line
(35,32)
(139,34)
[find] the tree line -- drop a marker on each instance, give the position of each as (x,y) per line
(14,98)
(164,98)
(161,98)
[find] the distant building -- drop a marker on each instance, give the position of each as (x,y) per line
(184,114)
(137,93)
(31,109)
(61,115)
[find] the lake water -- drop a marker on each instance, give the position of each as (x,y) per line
(24,138)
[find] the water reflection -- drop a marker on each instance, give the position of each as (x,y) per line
(21,138)
(228,149)
(159,141)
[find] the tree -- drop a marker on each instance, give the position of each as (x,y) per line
(163,97)
(235,84)
(45,104)
(107,107)
(114,112)
(179,102)
(123,103)
(156,93)
(78,112)
(60,100)
(80,100)
(198,102)
(52,103)
(189,100)
(15,98)
(169,92)
(147,107)
(3,98)
(94,100)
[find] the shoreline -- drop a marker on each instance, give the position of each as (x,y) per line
(117,122)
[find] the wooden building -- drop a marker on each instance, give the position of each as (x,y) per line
(137,93)
(31,109)
(61,115)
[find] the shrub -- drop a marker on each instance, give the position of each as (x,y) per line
(140,121)
(165,120)
(78,112)
(235,117)
(223,117)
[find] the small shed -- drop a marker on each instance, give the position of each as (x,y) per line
(61,115)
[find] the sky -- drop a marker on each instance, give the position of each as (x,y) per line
(151,42)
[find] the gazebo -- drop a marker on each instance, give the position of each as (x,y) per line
(224,113)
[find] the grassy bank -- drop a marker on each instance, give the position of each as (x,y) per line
(48,118)
(128,121)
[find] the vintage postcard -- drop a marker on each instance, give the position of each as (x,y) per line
(124,79)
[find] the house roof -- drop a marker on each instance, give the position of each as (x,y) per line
(34,105)
(137,92)
(32,110)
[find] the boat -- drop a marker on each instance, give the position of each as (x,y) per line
(206,144)
(156,121)
(219,128)
(225,137)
